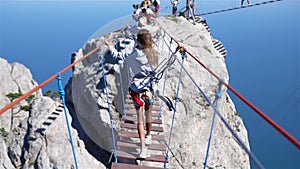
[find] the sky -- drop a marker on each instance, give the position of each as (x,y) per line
(263,45)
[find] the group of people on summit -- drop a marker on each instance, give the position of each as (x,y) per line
(152,8)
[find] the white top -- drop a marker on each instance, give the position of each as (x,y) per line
(148,11)
(136,60)
(158,2)
(175,3)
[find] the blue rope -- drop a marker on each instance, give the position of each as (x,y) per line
(218,95)
(121,80)
(165,79)
(162,46)
(176,101)
(251,155)
(62,94)
(108,105)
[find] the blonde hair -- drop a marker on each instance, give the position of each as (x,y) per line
(145,39)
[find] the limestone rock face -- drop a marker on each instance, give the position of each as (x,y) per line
(37,138)
(15,78)
(193,115)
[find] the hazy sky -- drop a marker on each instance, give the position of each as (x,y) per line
(262,43)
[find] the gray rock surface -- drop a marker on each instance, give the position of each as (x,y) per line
(38,138)
(193,116)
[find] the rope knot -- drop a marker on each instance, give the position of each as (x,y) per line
(182,52)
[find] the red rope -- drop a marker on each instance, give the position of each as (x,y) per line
(256,109)
(18,100)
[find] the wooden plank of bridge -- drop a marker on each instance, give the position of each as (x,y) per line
(134,120)
(131,112)
(128,139)
(159,147)
(125,166)
(128,134)
(134,127)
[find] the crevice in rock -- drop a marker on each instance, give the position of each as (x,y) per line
(25,147)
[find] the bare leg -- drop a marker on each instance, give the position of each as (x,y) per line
(140,126)
(148,109)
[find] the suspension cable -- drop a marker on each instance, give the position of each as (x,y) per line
(108,105)
(251,105)
(62,94)
(166,75)
(218,96)
(175,107)
(120,75)
(18,100)
(236,8)
(251,155)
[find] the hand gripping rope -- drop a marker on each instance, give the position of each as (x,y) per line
(62,94)
(108,105)
(176,101)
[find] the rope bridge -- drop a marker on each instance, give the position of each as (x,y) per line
(236,8)
(129,129)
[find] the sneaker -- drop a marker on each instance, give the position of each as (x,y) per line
(250,4)
(243,6)
(143,153)
(148,140)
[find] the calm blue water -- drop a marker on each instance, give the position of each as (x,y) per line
(264,65)
(262,43)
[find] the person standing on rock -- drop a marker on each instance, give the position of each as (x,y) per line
(174,8)
(143,15)
(156,4)
(242,3)
(142,62)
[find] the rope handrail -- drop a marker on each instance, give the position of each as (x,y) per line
(62,94)
(218,96)
(241,7)
(166,75)
(286,134)
(18,100)
(108,106)
(120,76)
(175,107)
(251,155)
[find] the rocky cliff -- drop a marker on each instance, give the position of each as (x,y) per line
(38,137)
(194,115)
